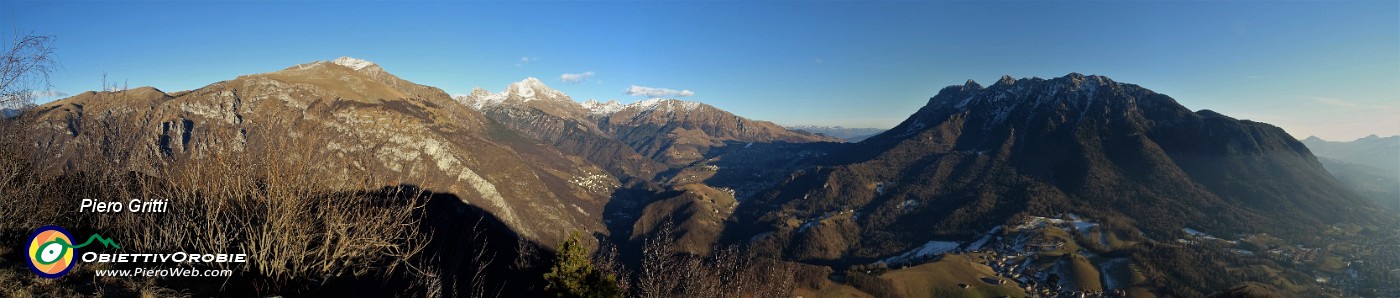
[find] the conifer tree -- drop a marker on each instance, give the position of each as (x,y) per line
(574,275)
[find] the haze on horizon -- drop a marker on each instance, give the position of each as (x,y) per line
(1328,69)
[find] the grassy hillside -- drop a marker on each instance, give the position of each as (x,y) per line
(943,277)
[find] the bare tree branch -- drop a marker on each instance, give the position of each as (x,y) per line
(25,67)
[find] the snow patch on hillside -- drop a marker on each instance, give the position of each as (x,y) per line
(981,242)
(928,249)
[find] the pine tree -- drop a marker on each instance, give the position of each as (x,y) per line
(573,275)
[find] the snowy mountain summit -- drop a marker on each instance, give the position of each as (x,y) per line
(353,63)
(529,89)
(602,108)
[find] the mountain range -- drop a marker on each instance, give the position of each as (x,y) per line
(1123,182)
(850,134)
(1369,165)
(975,156)
(1125,167)
(668,131)
(368,123)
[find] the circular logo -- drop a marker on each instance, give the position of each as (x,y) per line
(51,251)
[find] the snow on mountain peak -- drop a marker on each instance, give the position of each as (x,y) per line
(478,92)
(356,64)
(531,88)
(525,90)
(668,105)
(602,108)
(654,104)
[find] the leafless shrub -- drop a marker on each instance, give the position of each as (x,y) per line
(728,272)
(526,254)
(607,259)
(22,189)
(659,266)
(269,200)
(429,280)
(479,260)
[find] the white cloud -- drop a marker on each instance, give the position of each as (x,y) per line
(526,60)
(576,77)
(26,99)
(656,92)
(49,93)
(1337,102)
(33,94)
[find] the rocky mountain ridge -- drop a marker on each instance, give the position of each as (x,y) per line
(669,132)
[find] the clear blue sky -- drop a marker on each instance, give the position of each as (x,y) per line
(1314,68)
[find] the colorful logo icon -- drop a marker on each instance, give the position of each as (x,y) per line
(51,252)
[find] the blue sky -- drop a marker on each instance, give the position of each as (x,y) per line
(1330,69)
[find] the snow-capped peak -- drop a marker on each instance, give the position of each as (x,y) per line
(356,64)
(664,104)
(602,108)
(525,90)
(531,88)
(478,92)
(654,104)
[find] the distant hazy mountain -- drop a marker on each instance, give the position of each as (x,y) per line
(1369,165)
(1373,151)
(679,132)
(850,134)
